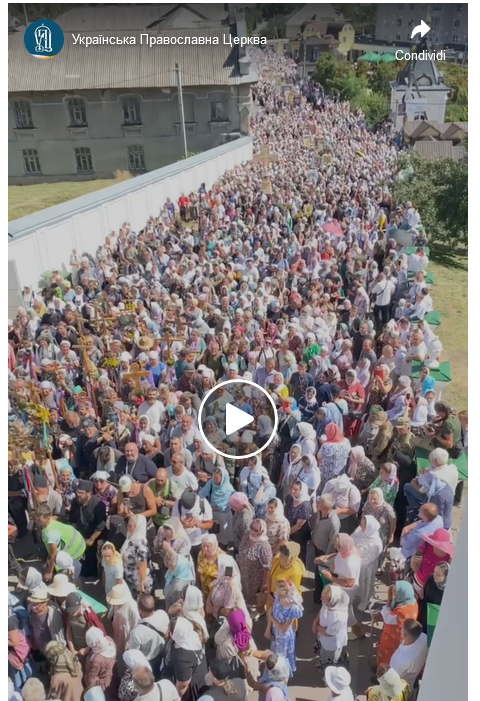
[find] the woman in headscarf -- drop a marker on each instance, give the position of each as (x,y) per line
(186,661)
(330,627)
(298,509)
(133,659)
(333,454)
(233,641)
(354,393)
(285,565)
(254,561)
(226,592)
(369,546)
(100,662)
(136,556)
(29,579)
(173,533)
(207,564)
(308,438)
(387,481)
(323,417)
(124,614)
(291,466)
(361,469)
(278,526)
(218,490)
(308,405)
(380,387)
(274,677)
(436,548)
(347,501)
(390,687)
(401,604)
(433,591)
(420,415)
(112,565)
(191,606)
(255,482)
(377,507)
(20,666)
(65,673)
(179,574)
(399,400)
(343,567)
(282,620)
(363,372)
(243,515)
(309,473)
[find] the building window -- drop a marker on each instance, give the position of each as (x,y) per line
(456,24)
(455,38)
(410,22)
(83,160)
(412,7)
(131,111)
(136,158)
(77,113)
(459,8)
(400,7)
(398,37)
(22,111)
(31,162)
(399,21)
(219,111)
(188,108)
(437,7)
(315,53)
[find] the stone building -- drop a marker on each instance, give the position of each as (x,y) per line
(88,112)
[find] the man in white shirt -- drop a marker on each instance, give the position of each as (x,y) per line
(179,475)
(196,516)
(149,635)
(417,351)
(150,690)
(176,447)
(445,471)
(153,408)
(409,658)
(383,290)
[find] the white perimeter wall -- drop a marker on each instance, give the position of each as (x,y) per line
(44,240)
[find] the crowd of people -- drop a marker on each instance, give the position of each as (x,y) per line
(306,292)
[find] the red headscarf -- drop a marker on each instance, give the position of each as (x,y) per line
(333,433)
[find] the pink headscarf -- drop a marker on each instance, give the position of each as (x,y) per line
(275,694)
(239,500)
(334,433)
(238,628)
(345,545)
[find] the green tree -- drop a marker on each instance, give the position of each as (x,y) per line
(326,70)
(456,77)
(381,76)
(439,190)
(374,106)
(362,15)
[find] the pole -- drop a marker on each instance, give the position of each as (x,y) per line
(180,105)
(25,13)
(304,58)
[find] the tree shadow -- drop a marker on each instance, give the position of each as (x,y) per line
(456,258)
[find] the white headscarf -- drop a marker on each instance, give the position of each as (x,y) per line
(192,609)
(225,561)
(99,643)
(303,496)
(339,599)
(185,636)
(135,659)
(139,534)
(279,514)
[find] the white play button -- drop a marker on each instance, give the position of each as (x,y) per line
(235,419)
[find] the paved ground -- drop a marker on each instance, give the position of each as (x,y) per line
(307,684)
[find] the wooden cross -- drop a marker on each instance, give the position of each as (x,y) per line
(265,157)
(267,186)
(169,340)
(137,374)
(35,393)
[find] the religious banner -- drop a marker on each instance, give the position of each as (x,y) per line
(297,100)
(308,210)
(286,89)
(307,141)
(267,186)
(320,144)
(327,158)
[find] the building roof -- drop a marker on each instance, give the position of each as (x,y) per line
(455,130)
(314,12)
(444,131)
(432,150)
(125,66)
(161,16)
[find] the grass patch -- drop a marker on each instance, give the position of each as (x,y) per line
(450,297)
(27,199)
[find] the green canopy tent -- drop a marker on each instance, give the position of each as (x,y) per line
(388,58)
(370,57)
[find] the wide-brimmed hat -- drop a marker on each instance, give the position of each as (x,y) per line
(38,595)
(61,586)
(441,540)
(337,679)
(119,595)
(145,343)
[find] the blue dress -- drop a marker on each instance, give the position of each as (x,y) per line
(283,642)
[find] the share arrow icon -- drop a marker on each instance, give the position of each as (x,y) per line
(421,29)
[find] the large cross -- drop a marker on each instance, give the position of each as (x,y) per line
(35,393)
(169,340)
(265,157)
(137,374)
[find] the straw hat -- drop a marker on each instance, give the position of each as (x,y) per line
(145,343)
(118,595)
(61,586)
(38,595)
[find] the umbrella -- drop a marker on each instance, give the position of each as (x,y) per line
(388,58)
(333,228)
(370,57)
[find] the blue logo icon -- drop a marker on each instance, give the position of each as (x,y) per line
(43,38)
